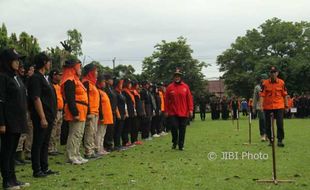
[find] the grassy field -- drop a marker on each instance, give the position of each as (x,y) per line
(155,166)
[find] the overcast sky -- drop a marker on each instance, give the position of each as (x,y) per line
(129,29)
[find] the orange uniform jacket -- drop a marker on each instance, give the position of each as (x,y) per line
(162,100)
(60,101)
(274,94)
(81,101)
(106,109)
(93,97)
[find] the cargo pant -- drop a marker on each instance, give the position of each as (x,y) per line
(55,137)
(101,130)
(76,131)
(90,134)
(25,140)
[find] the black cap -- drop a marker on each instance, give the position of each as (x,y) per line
(71,62)
(107,76)
(89,67)
(10,55)
(40,60)
(100,78)
(54,72)
(178,72)
(273,69)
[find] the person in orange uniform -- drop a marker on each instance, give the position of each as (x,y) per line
(105,116)
(55,77)
(273,98)
(76,104)
(90,75)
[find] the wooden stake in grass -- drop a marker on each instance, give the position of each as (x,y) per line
(274,179)
(237,120)
(250,131)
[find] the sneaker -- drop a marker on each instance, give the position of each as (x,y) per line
(263,138)
(138,143)
(280,144)
(84,161)
(39,174)
(156,135)
(174,146)
(130,145)
(103,152)
(10,186)
(163,133)
(22,184)
(181,148)
(92,156)
(76,162)
(149,139)
(51,172)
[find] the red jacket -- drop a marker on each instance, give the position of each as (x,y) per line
(178,100)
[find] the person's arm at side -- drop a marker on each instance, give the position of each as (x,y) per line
(35,89)
(190,103)
(69,88)
(2,100)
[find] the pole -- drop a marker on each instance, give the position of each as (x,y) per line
(274,179)
(273,149)
(113,61)
(237,120)
(250,126)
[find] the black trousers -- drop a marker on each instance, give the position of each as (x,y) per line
(9,142)
(135,129)
(40,143)
(178,130)
(262,122)
(119,124)
(278,115)
(126,130)
(146,126)
(108,137)
(156,125)
(225,114)
(202,114)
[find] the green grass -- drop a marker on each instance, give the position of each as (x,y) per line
(155,166)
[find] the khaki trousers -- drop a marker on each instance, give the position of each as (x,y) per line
(100,137)
(89,134)
(55,136)
(76,131)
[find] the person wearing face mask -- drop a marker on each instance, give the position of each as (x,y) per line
(13,108)
(179,108)
(76,105)
(273,98)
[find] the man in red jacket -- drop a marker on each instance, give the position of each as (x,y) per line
(179,107)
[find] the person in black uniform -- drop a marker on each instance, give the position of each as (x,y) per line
(121,114)
(108,138)
(13,121)
(43,109)
(147,110)
(156,120)
(131,110)
(224,108)
(234,106)
(138,117)
(202,107)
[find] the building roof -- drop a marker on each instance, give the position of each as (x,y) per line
(216,86)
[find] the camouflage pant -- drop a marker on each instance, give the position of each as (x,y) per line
(101,130)
(90,133)
(55,136)
(25,140)
(76,131)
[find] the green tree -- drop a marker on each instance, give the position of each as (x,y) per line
(124,71)
(75,42)
(168,56)
(4,40)
(278,43)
